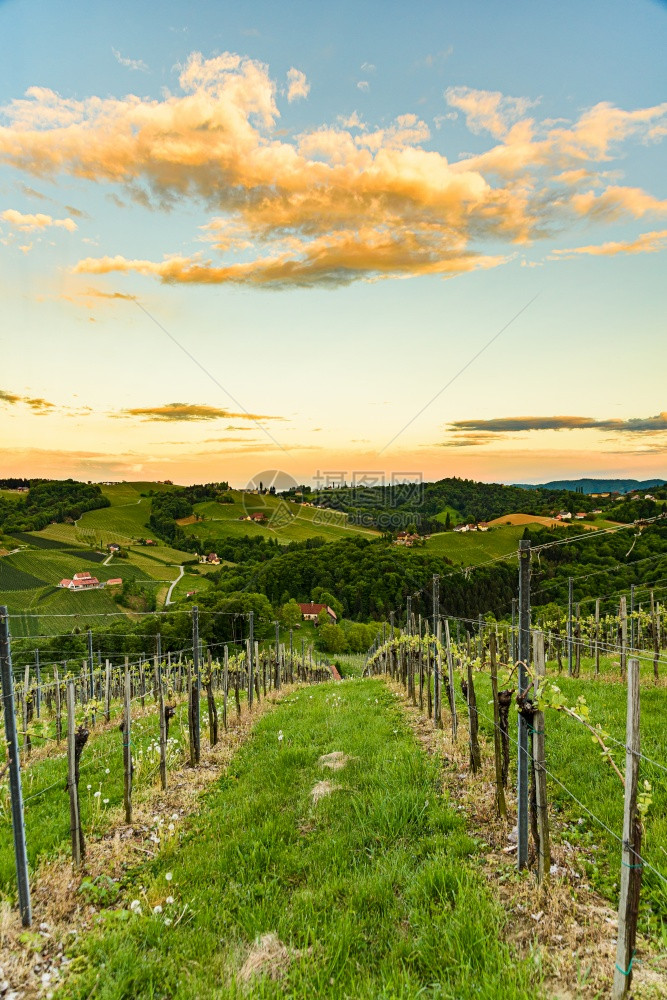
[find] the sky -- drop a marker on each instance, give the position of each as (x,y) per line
(421,239)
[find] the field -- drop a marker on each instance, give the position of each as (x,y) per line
(286,521)
(523,519)
(474,547)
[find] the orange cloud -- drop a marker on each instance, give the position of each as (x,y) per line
(29,223)
(37,404)
(334,204)
(646,243)
(189,411)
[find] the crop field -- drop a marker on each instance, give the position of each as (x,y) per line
(64,534)
(121,494)
(119,524)
(523,519)
(288,522)
(474,547)
(42,607)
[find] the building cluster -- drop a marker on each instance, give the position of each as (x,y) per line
(482,526)
(407,539)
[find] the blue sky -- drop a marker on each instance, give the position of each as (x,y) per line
(345,250)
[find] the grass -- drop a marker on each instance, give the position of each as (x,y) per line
(475,547)
(454,516)
(369,889)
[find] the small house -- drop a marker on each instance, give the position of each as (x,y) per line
(310,612)
(116,582)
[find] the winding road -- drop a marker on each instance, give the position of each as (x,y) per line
(170,591)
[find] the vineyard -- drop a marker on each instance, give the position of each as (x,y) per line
(187,778)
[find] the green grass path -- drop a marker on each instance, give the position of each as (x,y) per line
(374,888)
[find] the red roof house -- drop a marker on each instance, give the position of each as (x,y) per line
(309,612)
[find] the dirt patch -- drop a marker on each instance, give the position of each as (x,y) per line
(567,928)
(335,761)
(321,790)
(34,961)
(268,957)
(190,519)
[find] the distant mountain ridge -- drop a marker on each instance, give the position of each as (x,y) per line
(596,485)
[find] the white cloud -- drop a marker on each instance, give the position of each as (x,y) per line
(137,64)
(363,85)
(298,86)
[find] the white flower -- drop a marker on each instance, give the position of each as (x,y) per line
(107,771)
(135,906)
(167,921)
(105,801)
(169,876)
(171,827)
(280,737)
(157,909)
(170,900)
(89,787)
(97,794)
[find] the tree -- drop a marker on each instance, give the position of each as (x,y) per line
(321,596)
(323,617)
(290,614)
(331,639)
(448,521)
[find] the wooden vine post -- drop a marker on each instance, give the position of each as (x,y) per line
(501,805)
(212,709)
(631,861)
(127,744)
(623,615)
(452,692)
(655,635)
(72,779)
(473,725)
(225,685)
(597,637)
(163,725)
(543,845)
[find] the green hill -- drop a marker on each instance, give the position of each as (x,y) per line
(286,521)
